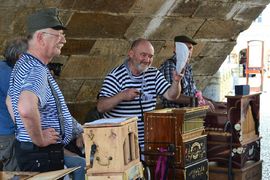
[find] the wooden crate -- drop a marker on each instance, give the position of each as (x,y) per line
(252,171)
(132,173)
(241,153)
(116,142)
(182,128)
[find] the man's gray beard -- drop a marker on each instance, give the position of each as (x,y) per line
(142,70)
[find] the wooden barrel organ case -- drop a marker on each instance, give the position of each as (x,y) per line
(233,136)
(183,129)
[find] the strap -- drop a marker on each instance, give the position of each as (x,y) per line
(59,110)
(171,159)
(228,128)
(161,166)
(140,102)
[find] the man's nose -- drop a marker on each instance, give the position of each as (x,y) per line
(63,40)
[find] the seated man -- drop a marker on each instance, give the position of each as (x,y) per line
(132,88)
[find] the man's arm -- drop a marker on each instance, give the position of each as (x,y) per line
(174,91)
(28,110)
(106,104)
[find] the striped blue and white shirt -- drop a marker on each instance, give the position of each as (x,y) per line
(151,83)
(30,74)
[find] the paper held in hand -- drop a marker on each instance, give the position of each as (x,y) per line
(182,54)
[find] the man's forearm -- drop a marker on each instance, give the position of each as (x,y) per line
(34,130)
(174,91)
(32,125)
(106,104)
(28,110)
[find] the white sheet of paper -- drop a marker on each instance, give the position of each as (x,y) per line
(106,121)
(182,54)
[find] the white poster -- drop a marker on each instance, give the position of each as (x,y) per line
(255,49)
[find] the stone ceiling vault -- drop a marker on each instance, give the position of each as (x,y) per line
(100,32)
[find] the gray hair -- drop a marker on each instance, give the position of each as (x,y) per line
(14,49)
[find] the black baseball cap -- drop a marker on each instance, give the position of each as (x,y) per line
(184,39)
(44,18)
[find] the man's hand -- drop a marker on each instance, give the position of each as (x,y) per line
(106,104)
(130,94)
(211,105)
(50,136)
(177,77)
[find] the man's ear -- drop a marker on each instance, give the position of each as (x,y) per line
(39,35)
(130,53)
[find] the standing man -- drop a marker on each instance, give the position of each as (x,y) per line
(132,88)
(12,53)
(189,89)
(43,121)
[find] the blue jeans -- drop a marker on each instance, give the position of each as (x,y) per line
(74,161)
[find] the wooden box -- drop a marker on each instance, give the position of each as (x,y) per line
(111,145)
(252,171)
(132,173)
(182,128)
(241,154)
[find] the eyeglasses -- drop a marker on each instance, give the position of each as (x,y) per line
(56,35)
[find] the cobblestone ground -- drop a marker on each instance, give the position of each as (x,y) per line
(265,129)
